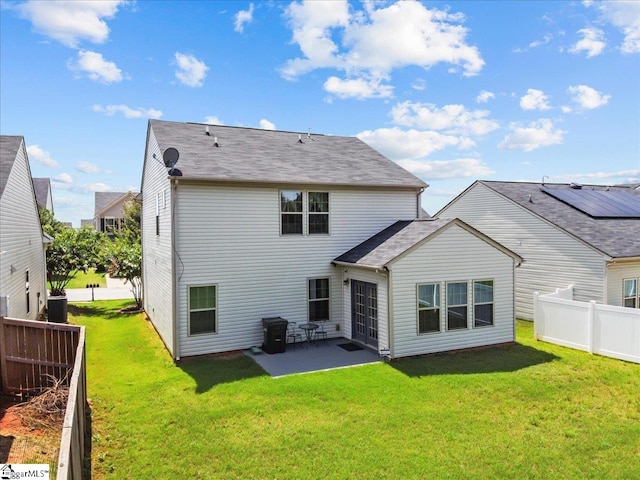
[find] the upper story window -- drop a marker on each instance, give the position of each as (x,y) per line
(291,212)
(304,213)
(318,212)
(631,297)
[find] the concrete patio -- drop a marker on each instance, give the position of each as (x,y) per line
(306,358)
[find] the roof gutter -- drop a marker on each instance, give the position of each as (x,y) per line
(358,265)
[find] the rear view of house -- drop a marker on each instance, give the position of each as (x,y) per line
(241,224)
(23,287)
(586,236)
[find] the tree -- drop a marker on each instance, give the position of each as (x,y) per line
(125,251)
(50,225)
(126,262)
(72,251)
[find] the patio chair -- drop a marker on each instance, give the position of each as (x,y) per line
(321,333)
(293,334)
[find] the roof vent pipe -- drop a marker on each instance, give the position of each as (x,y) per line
(299,138)
(215,141)
(206,130)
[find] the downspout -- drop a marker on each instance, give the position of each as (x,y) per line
(390,314)
(174,269)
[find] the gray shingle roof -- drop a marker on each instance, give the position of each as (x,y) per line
(615,237)
(103,199)
(42,186)
(9,145)
(393,241)
(255,155)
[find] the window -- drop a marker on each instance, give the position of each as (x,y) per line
(111,224)
(631,297)
(482,303)
(291,212)
(318,212)
(26,289)
(304,213)
(456,305)
(202,309)
(158,195)
(318,299)
(429,308)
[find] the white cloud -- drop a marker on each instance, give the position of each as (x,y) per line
(191,71)
(398,144)
(212,120)
(419,84)
(86,167)
(592,42)
(96,67)
(368,45)
(484,96)
(534,100)
(358,88)
(71,22)
(446,169)
(63,178)
(587,97)
(267,125)
(111,110)
(243,17)
(34,152)
(451,119)
(626,17)
(546,39)
(541,133)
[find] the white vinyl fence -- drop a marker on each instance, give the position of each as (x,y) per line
(589,326)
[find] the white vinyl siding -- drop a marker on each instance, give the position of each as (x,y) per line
(229,235)
(552,258)
(453,255)
(616,274)
(157,256)
(21,241)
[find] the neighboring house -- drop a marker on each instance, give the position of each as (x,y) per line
(108,215)
(87,222)
(586,236)
(42,187)
(241,224)
(23,287)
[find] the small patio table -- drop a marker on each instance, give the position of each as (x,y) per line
(308,330)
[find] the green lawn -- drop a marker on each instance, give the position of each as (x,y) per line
(533,410)
(82,279)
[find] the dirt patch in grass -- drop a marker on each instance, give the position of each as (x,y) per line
(21,443)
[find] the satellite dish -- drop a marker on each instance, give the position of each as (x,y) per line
(170,157)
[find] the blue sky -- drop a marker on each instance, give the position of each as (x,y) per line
(452,91)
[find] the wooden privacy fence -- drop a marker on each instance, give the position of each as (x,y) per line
(31,352)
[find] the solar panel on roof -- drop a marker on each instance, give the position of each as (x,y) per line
(599,203)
